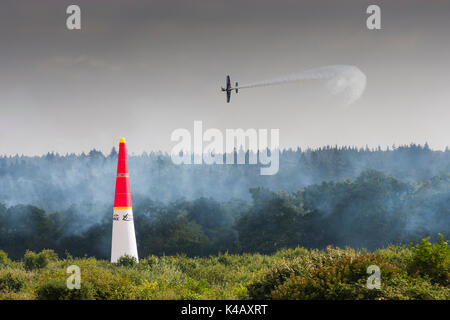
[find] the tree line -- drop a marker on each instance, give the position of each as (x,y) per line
(370,211)
(55,182)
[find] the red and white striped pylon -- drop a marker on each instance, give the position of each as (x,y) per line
(123,236)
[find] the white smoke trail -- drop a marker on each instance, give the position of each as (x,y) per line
(345,79)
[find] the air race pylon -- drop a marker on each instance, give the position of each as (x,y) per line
(123,236)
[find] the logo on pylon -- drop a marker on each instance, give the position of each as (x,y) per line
(127,217)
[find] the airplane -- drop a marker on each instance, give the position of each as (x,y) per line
(229,89)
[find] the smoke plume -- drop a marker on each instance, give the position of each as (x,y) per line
(341,79)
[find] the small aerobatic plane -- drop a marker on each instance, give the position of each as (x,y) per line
(228,89)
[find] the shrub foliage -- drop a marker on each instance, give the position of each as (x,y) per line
(416,272)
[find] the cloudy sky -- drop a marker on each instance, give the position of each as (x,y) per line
(142,69)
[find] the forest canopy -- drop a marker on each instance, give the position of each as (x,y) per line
(371,211)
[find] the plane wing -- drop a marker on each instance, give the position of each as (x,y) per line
(228,89)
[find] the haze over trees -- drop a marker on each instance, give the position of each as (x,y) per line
(55,182)
(331,196)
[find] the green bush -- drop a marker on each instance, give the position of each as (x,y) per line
(300,262)
(399,256)
(109,282)
(57,290)
(278,274)
(33,261)
(291,253)
(149,261)
(343,278)
(11,281)
(407,287)
(126,261)
(4,260)
(432,261)
(224,259)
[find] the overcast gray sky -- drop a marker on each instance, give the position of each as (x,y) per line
(142,69)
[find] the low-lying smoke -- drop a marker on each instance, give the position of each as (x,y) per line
(341,79)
